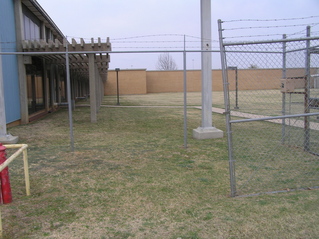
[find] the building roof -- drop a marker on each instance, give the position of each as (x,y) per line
(78,61)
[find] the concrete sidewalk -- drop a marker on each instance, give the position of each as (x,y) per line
(293,122)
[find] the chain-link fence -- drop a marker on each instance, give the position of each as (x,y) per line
(272,114)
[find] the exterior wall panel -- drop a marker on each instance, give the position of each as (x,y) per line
(9,62)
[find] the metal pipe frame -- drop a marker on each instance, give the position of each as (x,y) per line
(274,118)
(269,41)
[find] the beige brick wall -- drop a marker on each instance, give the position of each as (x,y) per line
(130,82)
(143,82)
(255,79)
(172,81)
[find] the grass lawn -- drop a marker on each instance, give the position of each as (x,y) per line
(131,177)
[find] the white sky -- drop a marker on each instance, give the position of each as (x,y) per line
(166,21)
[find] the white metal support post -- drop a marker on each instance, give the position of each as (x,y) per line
(206,131)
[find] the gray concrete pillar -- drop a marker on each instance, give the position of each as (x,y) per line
(24,111)
(4,137)
(206,130)
(58,85)
(3,127)
(52,84)
(46,97)
(92,79)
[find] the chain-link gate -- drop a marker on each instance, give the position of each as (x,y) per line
(271,93)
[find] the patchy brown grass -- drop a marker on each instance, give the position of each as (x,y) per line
(130,177)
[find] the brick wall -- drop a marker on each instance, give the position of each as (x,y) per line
(130,82)
(141,81)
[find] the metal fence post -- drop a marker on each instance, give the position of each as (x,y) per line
(185,94)
(307,92)
(117,86)
(284,75)
(227,111)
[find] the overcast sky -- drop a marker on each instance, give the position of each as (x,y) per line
(161,24)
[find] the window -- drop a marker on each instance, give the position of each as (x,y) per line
(31,26)
(35,86)
(48,34)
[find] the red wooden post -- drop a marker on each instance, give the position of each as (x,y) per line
(2,155)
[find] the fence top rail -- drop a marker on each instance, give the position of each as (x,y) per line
(103,52)
(273,117)
(269,41)
(253,52)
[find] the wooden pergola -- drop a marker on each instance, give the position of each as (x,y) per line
(87,61)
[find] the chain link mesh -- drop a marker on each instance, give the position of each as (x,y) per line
(274,115)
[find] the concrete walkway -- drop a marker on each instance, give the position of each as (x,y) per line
(294,123)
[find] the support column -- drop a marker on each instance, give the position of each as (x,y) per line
(206,130)
(52,85)
(101,88)
(46,87)
(4,137)
(73,89)
(98,86)
(24,111)
(58,85)
(92,79)
(76,86)
(103,80)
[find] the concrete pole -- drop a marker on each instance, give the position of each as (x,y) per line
(92,79)
(206,131)
(58,85)
(3,125)
(206,57)
(52,84)
(24,110)
(46,87)
(98,88)
(4,137)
